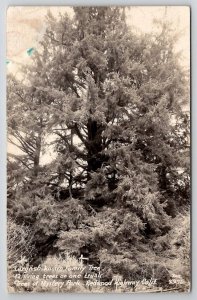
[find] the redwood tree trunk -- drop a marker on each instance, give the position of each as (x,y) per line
(95,158)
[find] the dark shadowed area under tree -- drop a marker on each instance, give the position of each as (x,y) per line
(108,102)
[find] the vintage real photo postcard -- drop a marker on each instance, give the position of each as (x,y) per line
(98,149)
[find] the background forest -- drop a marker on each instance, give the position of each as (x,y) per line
(104,105)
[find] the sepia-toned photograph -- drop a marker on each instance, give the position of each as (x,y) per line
(98,149)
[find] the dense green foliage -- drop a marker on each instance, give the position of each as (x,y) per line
(107,103)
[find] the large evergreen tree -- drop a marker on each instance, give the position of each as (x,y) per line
(109,102)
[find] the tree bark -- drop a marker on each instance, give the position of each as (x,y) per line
(94,157)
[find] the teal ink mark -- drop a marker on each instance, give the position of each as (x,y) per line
(30,51)
(7,61)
